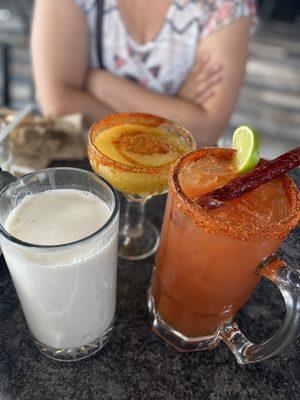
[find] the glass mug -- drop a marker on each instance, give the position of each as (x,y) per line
(68,291)
(205,273)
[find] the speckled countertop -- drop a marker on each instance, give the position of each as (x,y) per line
(137,365)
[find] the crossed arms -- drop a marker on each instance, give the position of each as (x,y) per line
(65,83)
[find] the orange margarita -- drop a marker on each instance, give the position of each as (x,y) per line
(206,261)
(134,152)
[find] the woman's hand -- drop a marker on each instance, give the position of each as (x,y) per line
(201,81)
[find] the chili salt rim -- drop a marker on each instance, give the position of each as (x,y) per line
(98,158)
(211,224)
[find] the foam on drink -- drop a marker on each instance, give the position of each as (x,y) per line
(141,145)
(57,217)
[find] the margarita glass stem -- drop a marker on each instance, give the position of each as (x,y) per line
(138,237)
(134,217)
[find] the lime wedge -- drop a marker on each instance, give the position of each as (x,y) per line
(245,142)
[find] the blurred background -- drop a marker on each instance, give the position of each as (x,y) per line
(269,100)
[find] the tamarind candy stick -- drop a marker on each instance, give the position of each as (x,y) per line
(263,173)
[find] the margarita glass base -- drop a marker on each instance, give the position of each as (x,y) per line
(139,245)
(176,339)
(77,353)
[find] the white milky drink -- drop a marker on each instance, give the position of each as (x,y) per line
(67,292)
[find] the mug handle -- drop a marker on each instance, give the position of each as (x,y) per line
(288,282)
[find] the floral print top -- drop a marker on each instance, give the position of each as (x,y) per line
(163,63)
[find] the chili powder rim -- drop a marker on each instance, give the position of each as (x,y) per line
(97,158)
(213,225)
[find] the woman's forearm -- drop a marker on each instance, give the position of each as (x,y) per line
(125,96)
(67,99)
(60,63)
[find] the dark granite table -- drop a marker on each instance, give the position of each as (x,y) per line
(136,364)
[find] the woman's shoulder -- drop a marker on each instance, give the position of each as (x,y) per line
(206,8)
(210,6)
(215,14)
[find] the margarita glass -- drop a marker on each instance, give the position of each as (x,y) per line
(134,152)
(208,262)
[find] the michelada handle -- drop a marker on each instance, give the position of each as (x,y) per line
(288,282)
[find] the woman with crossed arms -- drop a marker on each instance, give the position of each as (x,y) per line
(181,59)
